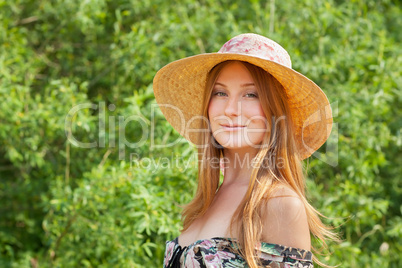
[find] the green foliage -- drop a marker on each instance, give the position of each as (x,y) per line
(116,216)
(114,204)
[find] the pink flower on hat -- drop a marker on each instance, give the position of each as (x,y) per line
(257,46)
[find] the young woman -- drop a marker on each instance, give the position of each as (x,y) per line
(254,118)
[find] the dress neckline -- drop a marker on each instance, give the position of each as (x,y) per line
(232,240)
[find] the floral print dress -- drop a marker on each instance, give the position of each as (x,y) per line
(220,252)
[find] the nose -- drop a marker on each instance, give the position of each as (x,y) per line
(233,107)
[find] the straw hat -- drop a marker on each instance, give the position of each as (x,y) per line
(179,88)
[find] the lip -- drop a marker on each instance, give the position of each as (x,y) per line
(233,127)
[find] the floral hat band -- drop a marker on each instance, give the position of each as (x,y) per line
(257,46)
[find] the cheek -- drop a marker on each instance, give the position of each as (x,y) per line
(212,109)
(256,113)
(209,110)
(211,115)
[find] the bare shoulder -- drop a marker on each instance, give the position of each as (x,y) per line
(285,220)
(284,202)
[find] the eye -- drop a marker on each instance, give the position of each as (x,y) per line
(219,94)
(251,95)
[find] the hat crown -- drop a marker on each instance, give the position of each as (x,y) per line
(257,46)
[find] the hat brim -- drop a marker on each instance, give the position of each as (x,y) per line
(179,88)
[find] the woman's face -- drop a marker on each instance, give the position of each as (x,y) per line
(235,113)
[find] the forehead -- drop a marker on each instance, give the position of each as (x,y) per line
(234,72)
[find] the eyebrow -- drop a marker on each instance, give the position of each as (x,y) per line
(244,85)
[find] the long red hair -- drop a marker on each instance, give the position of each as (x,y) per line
(278,144)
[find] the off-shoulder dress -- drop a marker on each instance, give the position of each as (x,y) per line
(220,252)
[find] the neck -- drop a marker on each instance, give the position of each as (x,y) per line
(238,164)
